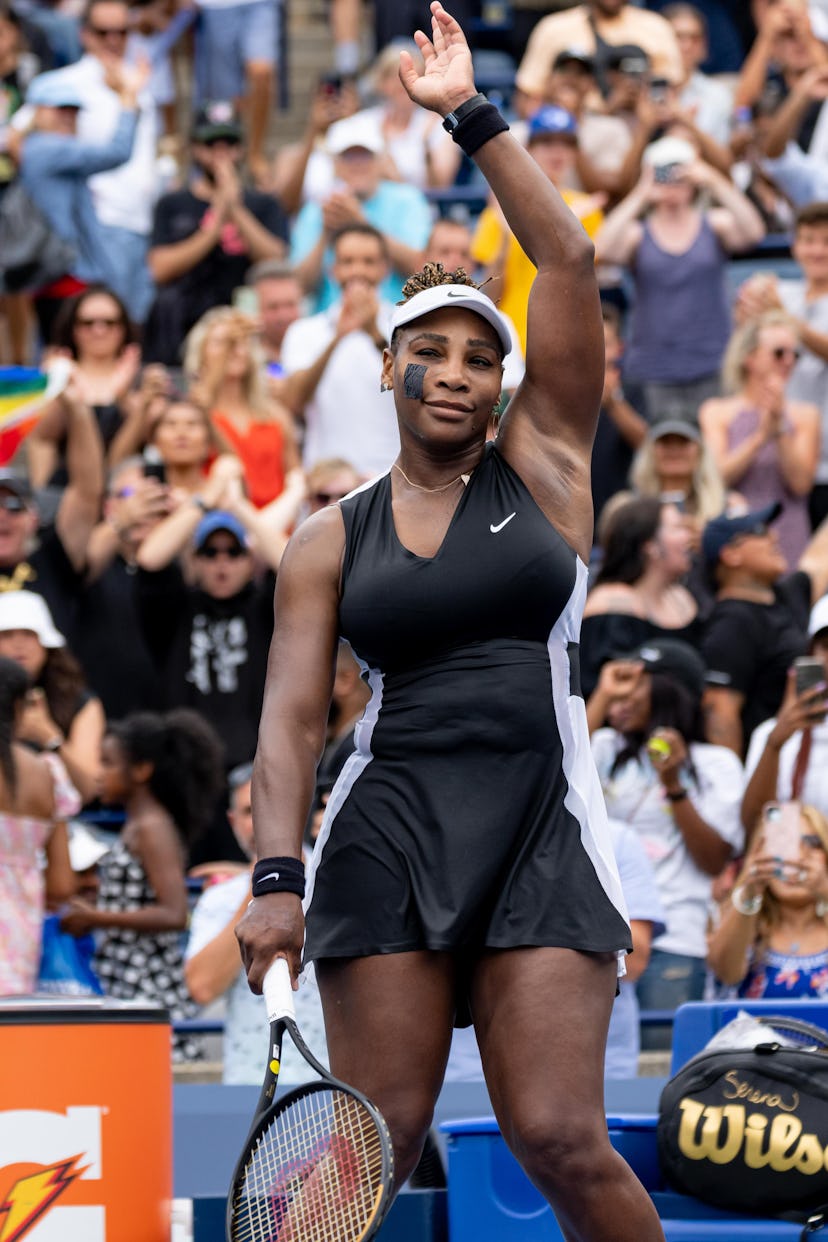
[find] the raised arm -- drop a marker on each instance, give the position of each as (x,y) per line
(561,393)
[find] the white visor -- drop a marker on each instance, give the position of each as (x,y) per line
(463,296)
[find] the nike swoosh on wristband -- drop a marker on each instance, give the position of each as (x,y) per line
(500,525)
(274,875)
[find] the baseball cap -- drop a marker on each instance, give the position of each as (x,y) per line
(819,617)
(464,296)
(17,484)
(23,610)
(628,58)
(669,150)
(51,90)
(216,119)
(672,658)
(355,131)
(218,519)
(552,120)
(675,427)
(721,530)
(574,55)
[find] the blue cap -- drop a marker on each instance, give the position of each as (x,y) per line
(721,530)
(552,120)
(51,90)
(218,519)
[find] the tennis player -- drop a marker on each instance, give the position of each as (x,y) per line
(464,870)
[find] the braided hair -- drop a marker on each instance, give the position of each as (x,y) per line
(431,276)
(14,686)
(187,763)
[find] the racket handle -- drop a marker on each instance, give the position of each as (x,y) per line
(278,991)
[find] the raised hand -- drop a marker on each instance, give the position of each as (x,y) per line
(448,76)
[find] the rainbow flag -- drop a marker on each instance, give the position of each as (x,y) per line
(24,394)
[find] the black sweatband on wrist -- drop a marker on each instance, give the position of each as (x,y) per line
(279,875)
(478,127)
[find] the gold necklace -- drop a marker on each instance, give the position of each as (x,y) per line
(464,478)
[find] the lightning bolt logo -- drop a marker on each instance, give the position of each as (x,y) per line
(33,1195)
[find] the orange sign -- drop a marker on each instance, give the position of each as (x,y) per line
(85,1128)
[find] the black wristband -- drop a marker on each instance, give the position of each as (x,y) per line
(460,113)
(481,124)
(678,796)
(279,875)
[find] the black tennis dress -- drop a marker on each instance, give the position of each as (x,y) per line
(470,813)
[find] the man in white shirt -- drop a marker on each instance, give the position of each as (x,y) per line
(123,197)
(710,100)
(595,27)
(335,359)
(213,967)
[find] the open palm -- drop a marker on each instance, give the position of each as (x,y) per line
(448,76)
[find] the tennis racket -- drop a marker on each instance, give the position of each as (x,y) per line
(317,1165)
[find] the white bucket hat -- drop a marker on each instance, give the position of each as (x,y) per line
(464,296)
(23,610)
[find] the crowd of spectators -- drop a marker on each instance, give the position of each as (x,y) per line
(222,305)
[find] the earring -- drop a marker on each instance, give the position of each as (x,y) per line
(385,387)
(821,908)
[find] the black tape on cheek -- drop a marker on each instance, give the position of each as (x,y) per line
(413,380)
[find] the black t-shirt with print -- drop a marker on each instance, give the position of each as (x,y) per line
(180,303)
(749,647)
(211,654)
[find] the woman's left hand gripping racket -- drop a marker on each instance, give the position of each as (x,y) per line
(318,1163)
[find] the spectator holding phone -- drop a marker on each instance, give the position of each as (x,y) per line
(679,794)
(788,754)
(677,251)
(772,939)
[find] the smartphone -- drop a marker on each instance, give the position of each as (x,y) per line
(331,83)
(809,672)
(246,300)
(677,499)
(665,173)
(154,467)
(780,823)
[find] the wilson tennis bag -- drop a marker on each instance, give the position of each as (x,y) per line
(746,1129)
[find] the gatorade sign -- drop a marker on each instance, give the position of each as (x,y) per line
(41,1155)
(86,1146)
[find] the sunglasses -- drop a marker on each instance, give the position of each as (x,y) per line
(211,554)
(103,32)
(12,504)
(784,353)
(99,321)
(328,498)
(225,139)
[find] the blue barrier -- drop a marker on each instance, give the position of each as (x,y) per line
(489,1196)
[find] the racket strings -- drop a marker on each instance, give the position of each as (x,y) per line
(315,1174)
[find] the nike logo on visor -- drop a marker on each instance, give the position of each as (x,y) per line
(500,525)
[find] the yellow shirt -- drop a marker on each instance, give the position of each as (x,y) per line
(649,31)
(519,271)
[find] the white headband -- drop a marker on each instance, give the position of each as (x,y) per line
(463,296)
